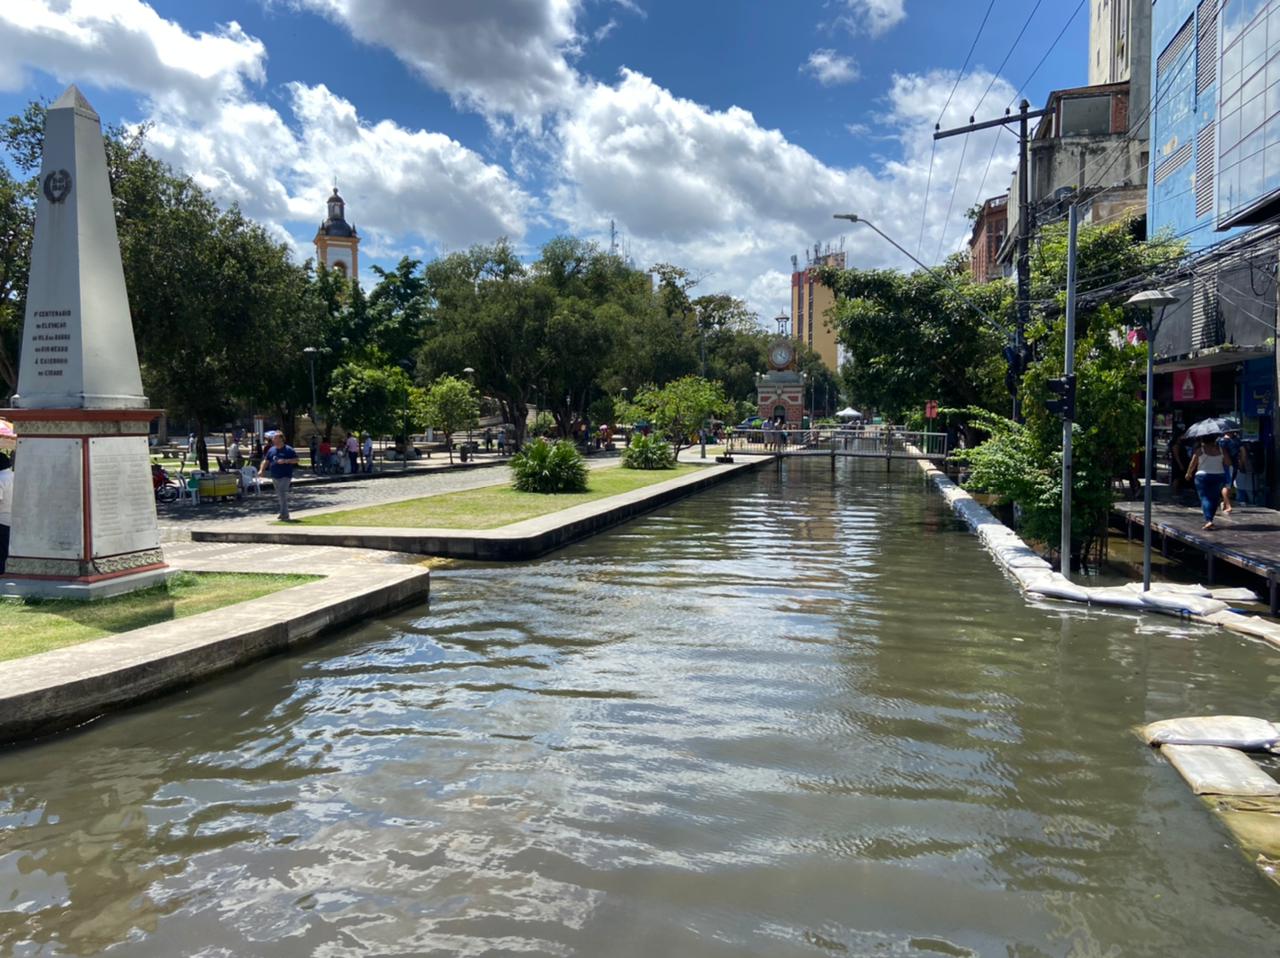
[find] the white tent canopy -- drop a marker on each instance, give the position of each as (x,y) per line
(848,412)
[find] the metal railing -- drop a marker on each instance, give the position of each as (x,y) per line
(864,442)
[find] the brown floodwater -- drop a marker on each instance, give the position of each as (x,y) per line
(796,715)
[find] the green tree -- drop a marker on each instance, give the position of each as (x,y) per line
(909,338)
(371,398)
(1022,463)
(680,408)
(450,405)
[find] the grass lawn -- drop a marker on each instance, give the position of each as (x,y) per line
(30,626)
(493,506)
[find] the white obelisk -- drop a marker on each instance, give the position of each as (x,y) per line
(84,516)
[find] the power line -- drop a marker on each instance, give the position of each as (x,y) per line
(924,212)
(1013,46)
(942,232)
(1053,46)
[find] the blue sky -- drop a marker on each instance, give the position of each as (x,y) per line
(719,135)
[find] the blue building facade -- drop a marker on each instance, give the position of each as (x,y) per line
(1214,183)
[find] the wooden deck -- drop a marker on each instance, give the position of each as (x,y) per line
(1249,538)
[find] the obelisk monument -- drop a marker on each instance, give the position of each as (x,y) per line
(84,514)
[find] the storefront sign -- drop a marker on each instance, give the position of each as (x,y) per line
(1191,385)
(1257,388)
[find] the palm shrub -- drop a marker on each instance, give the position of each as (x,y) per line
(549,467)
(648,452)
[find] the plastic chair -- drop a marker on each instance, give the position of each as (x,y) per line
(249,479)
(191,490)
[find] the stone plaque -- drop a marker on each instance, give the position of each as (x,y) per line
(48,499)
(121,500)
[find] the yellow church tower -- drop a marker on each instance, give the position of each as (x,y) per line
(337,244)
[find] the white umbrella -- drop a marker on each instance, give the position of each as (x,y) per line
(848,412)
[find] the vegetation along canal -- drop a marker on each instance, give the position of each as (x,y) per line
(793,715)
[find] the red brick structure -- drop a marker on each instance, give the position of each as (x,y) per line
(988,233)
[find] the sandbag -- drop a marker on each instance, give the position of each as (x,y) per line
(1172,588)
(1116,596)
(1211,770)
(1234,595)
(1229,731)
(1029,575)
(1182,604)
(1056,586)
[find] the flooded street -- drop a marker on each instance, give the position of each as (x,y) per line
(795,715)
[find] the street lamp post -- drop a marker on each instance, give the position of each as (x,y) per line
(471,378)
(407,366)
(1148,300)
(310,353)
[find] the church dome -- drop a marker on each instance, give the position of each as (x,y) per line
(335,223)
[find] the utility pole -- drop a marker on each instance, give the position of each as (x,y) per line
(1024,115)
(1069,375)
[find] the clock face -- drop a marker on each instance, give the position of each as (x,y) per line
(780,355)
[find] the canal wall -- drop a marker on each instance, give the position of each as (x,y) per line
(517,542)
(1036,576)
(45,693)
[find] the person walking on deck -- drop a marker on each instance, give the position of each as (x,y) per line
(1207,471)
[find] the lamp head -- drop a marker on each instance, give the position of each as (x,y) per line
(851,217)
(1152,299)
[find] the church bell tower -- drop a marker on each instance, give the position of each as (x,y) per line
(337,243)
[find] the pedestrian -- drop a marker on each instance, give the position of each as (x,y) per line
(502,440)
(488,439)
(234,456)
(1207,471)
(6,507)
(1235,461)
(315,453)
(368,453)
(353,454)
(280,459)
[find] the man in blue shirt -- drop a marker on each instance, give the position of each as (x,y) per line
(280,458)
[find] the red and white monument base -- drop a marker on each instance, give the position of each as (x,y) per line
(82,485)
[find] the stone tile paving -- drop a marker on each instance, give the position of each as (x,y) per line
(178,518)
(252,557)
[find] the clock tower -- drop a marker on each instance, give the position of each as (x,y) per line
(780,391)
(337,243)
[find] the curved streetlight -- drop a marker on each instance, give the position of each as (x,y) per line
(310,352)
(1148,301)
(471,378)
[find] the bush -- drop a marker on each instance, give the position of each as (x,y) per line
(648,452)
(550,467)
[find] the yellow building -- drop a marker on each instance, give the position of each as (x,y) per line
(810,300)
(337,243)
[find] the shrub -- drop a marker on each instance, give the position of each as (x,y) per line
(648,452)
(550,467)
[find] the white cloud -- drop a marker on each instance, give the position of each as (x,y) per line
(830,68)
(404,187)
(500,57)
(603,31)
(872,16)
(125,44)
(714,190)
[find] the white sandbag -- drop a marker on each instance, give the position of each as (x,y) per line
(1234,595)
(1228,731)
(1250,625)
(1211,770)
(1182,604)
(1172,588)
(1027,577)
(1117,596)
(1056,586)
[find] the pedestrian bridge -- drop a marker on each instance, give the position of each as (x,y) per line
(863,442)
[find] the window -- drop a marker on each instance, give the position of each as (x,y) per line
(1085,116)
(1248,107)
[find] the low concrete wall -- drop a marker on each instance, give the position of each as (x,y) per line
(517,542)
(54,690)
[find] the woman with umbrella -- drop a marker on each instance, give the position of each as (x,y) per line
(1208,469)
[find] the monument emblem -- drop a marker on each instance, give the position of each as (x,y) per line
(84,515)
(57,186)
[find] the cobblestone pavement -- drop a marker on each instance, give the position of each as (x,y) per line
(177,518)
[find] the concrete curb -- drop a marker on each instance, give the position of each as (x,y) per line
(1036,577)
(46,693)
(519,541)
